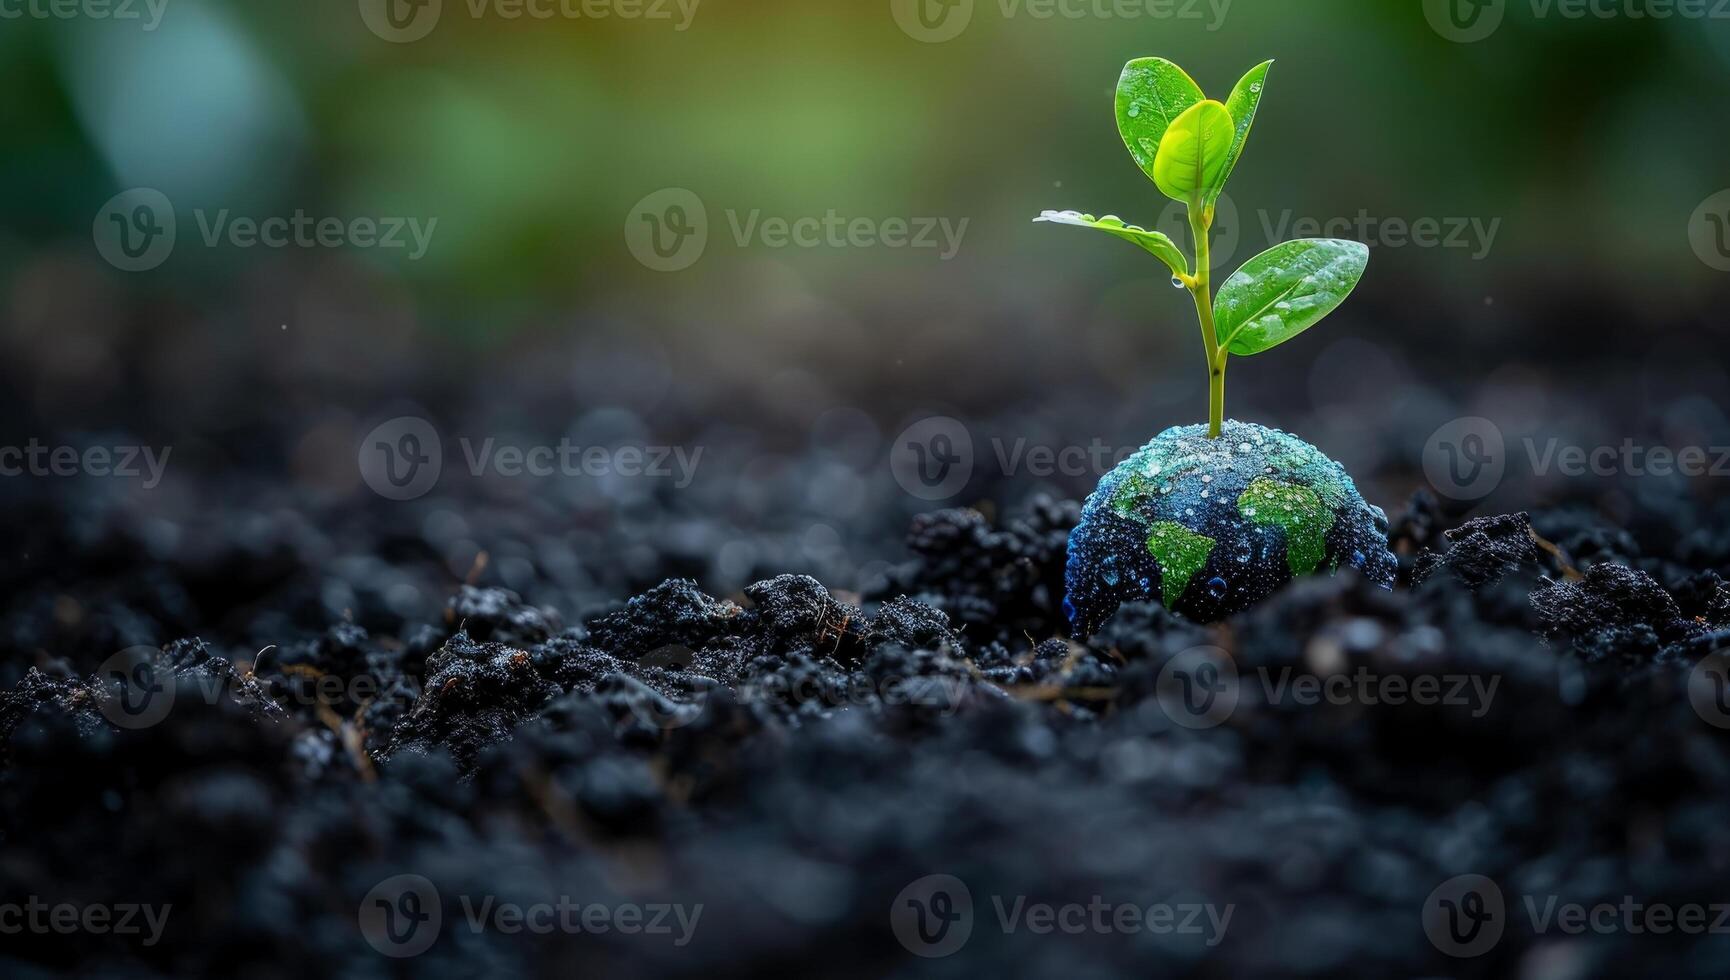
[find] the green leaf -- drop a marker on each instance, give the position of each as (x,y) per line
(1160,245)
(1191,161)
(1286,290)
(1242,104)
(1150,94)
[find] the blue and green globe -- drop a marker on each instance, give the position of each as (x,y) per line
(1210,527)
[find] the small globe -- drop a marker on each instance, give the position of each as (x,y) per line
(1210,527)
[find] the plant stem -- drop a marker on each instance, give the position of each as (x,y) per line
(1201,288)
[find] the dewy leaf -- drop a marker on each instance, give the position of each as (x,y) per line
(1242,104)
(1160,245)
(1286,290)
(1151,94)
(1191,161)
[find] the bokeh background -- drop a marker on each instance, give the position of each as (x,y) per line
(1588,145)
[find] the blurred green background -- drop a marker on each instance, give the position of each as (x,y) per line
(1587,144)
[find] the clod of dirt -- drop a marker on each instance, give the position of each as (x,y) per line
(1613,611)
(1482,551)
(499,615)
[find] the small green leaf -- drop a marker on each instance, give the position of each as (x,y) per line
(1160,245)
(1191,161)
(1286,290)
(1151,93)
(1242,103)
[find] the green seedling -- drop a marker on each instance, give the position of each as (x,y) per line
(1189,145)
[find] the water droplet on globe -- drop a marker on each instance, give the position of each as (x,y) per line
(1216,587)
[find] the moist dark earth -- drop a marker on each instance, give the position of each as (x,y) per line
(359,693)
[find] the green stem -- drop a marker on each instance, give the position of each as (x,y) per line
(1200,287)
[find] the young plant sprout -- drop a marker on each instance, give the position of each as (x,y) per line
(1210,520)
(1189,145)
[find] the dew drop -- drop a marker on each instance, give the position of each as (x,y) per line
(1134,109)
(1176,282)
(1255,87)
(1216,587)
(1357,559)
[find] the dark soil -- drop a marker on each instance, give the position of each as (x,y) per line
(792,758)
